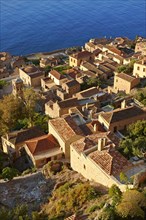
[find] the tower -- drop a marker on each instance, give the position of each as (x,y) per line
(17,87)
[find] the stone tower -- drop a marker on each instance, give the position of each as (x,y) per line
(17,87)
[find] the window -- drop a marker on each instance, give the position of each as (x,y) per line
(84,167)
(116,80)
(138,68)
(143,69)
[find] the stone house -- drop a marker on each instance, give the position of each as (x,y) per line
(57,77)
(17,62)
(119,119)
(5,60)
(87,93)
(71,87)
(87,66)
(140,68)
(112,50)
(77,58)
(141,47)
(110,56)
(41,150)
(4,72)
(49,61)
(31,76)
(96,158)
(17,87)
(59,108)
(62,94)
(14,141)
(123,82)
(90,47)
(66,131)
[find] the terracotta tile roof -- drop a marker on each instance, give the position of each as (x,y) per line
(110,66)
(90,44)
(104,68)
(30,69)
(72,102)
(66,127)
(37,74)
(113,49)
(57,75)
(81,54)
(126,77)
(21,136)
(100,46)
(89,74)
(71,83)
(122,114)
(110,160)
(90,141)
(89,66)
(42,144)
(88,92)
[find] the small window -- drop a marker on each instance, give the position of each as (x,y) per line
(84,167)
(138,68)
(143,69)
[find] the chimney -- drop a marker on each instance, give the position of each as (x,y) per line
(95,127)
(101,143)
(123,104)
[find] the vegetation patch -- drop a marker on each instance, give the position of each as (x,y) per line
(61,69)
(69,198)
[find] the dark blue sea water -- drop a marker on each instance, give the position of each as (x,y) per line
(28,26)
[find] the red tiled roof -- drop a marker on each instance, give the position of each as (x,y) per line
(71,83)
(111,161)
(88,92)
(42,144)
(72,102)
(126,77)
(90,141)
(21,136)
(122,114)
(114,50)
(66,127)
(57,75)
(81,54)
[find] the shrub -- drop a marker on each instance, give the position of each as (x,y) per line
(69,197)
(9,173)
(93,208)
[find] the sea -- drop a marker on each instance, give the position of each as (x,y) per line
(31,26)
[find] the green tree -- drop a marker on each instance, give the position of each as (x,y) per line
(3,83)
(132,205)
(9,173)
(90,83)
(135,142)
(123,178)
(126,68)
(30,98)
(47,70)
(115,193)
(10,111)
(107,214)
